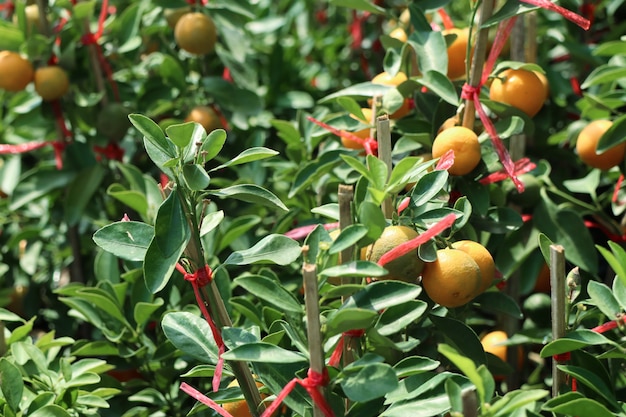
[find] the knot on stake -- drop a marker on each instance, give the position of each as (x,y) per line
(335,357)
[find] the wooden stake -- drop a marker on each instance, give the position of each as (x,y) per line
(345,195)
(478,60)
(311,302)
(383,136)
(557,284)
(470,403)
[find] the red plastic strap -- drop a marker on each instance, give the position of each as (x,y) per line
(568,14)
(303,231)
(445,19)
(521,166)
(335,357)
(611,236)
(22,148)
(311,384)
(609,325)
(369,144)
(562,357)
(198,279)
(194,393)
(413,244)
(618,185)
(112,151)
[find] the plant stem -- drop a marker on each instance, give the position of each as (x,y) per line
(216,305)
(478,60)
(311,301)
(345,194)
(383,136)
(557,284)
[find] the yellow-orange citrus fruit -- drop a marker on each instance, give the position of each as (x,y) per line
(240,408)
(405,268)
(399,34)
(361,133)
(384,78)
(457,52)
(172,16)
(519,88)
(483,258)
(33,23)
(587,143)
(15,71)
(195,33)
(492,343)
(465,145)
(544,81)
(206,116)
(450,122)
(51,83)
(453,279)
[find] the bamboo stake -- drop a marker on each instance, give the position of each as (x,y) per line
(557,284)
(345,194)
(478,60)
(311,302)
(383,136)
(470,403)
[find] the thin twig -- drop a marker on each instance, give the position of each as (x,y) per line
(478,60)
(557,284)
(311,301)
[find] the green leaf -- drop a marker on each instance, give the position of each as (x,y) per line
(383,294)
(616,259)
(348,237)
(604,74)
(574,340)
(462,336)
(349,319)
(602,296)
(277,249)
(428,187)
(103,301)
(196,177)
(362,90)
(264,353)
(81,191)
(592,381)
(619,291)
(11,37)
(251,193)
(441,85)
(249,155)
(359,167)
(211,146)
(499,302)
(12,385)
(136,200)
(50,410)
(143,310)
(572,404)
(312,171)
(162,149)
(398,318)
(468,368)
(211,221)
(184,134)
(269,290)
(364,5)
(515,400)
(428,46)
(414,365)
(126,240)
(614,136)
(369,382)
(355,269)
(191,334)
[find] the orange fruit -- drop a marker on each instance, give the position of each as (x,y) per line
(51,83)
(542,283)
(362,133)
(483,258)
(240,408)
(399,34)
(465,145)
(519,88)
(172,16)
(587,143)
(544,81)
(406,268)
(457,52)
(450,122)
(492,343)
(453,279)
(195,33)
(384,78)
(206,116)
(15,71)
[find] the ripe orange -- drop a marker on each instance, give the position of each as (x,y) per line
(362,133)
(15,71)
(453,279)
(483,258)
(384,78)
(587,143)
(450,122)
(544,81)
(492,343)
(195,33)
(406,268)
(457,52)
(542,283)
(51,83)
(519,88)
(399,34)
(240,408)
(465,145)
(206,116)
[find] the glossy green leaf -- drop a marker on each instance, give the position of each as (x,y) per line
(591,381)
(235,229)
(50,410)
(604,74)
(314,170)
(251,193)
(364,5)
(428,46)
(184,134)
(509,9)
(428,187)
(602,296)
(81,191)
(499,302)
(614,136)
(136,200)
(211,221)
(463,337)
(126,240)
(277,249)
(270,291)
(468,368)
(619,291)
(360,167)
(575,405)
(195,177)
(616,258)
(12,384)
(211,146)
(516,400)
(153,134)
(349,319)
(191,334)
(347,238)
(414,365)
(355,269)
(249,155)
(143,311)
(263,352)
(574,340)
(369,382)
(399,317)
(441,85)
(383,294)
